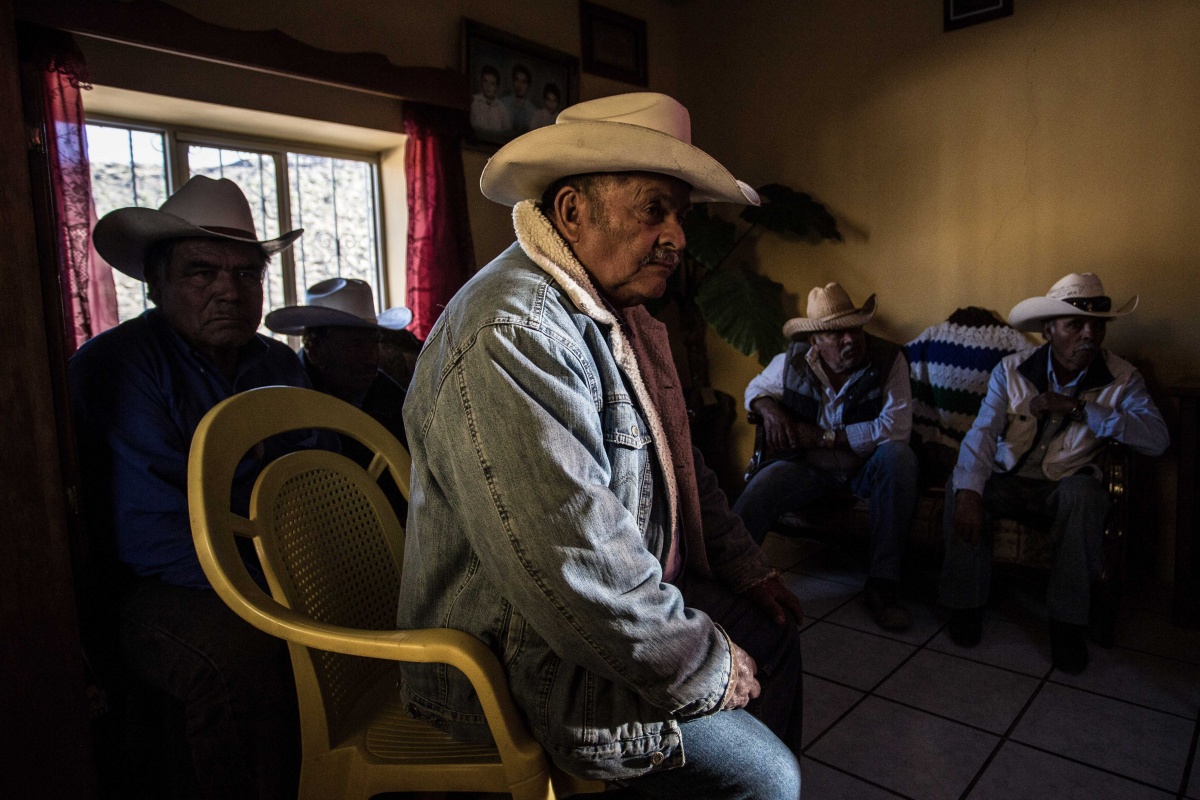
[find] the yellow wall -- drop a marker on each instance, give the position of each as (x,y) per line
(972,167)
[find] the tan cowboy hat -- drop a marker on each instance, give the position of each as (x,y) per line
(1075,295)
(830,309)
(638,132)
(344,302)
(202,208)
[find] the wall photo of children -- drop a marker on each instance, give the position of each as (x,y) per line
(516,85)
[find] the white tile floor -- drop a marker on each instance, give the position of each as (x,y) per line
(912,715)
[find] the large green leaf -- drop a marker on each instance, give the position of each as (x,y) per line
(745,310)
(709,237)
(785,210)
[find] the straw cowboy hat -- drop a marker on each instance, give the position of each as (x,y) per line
(1075,295)
(638,132)
(830,309)
(344,302)
(202,208)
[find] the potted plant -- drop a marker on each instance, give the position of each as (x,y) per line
(713,289)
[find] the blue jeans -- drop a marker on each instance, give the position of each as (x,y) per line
(1072,509)
(774,648)
(235,683)
(888,480)
(730,756)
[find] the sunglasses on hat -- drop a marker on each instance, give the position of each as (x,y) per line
(1100,304)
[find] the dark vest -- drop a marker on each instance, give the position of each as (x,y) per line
(802,389)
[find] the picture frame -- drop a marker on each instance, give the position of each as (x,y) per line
(499,66)
(961,13)
(614,44)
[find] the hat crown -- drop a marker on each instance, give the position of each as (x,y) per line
(213,204)
(1086,284)
(829,301)
(348,295)
(651,110)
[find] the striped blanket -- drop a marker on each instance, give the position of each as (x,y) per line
(949,366)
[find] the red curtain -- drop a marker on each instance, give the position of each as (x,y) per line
(88,293)
(441,255)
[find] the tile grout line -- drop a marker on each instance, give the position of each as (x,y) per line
(1190,764)
(1004,737)
(867,781)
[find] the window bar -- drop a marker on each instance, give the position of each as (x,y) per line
(132,168)
(262,211)
(299,173)
(372,243)
(377,237)
(337,242)
(287,259)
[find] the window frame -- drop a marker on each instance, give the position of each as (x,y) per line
(177,138)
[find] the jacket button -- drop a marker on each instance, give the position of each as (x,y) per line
(657,758)
(633,430)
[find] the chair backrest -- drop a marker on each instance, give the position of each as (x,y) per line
(329,543)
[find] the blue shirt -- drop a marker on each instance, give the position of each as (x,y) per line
(138,393)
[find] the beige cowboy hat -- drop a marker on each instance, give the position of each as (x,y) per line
(202,208)
(1076,295)
(344,302)
(830,309)
(637,132)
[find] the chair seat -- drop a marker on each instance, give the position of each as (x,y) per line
(394,736)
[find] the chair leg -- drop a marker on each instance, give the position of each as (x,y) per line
(538,787)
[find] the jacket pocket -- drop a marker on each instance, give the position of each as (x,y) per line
(626,441)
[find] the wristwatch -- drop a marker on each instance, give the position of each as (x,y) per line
(828,438)
(1078,413)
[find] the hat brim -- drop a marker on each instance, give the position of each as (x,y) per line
(123,237)
(292,320)
(1033,313)
(526,166)
(854,318)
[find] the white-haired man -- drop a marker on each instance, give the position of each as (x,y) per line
(558,510)
(1031,456)
(138,392)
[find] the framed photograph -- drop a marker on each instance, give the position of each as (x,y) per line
(614,44)
(516,85)
(961,13)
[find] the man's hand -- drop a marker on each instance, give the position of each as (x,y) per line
(968,516)
(1052,403)
(781,431)
(743,686)
(776,600)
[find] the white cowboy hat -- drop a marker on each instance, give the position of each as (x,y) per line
(1075,295)
(830,309)
(638,132)
(344,302)
(202,207)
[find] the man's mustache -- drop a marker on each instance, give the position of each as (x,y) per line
(662,255)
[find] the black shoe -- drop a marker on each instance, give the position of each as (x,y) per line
(966,626)
(1068,647)
(883,601)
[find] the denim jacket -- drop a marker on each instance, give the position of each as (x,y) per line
(542,507)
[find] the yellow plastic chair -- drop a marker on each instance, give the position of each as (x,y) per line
(331,548)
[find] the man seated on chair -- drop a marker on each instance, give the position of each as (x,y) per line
(558,510)
(341,354)
(1032,456)
(138,392)
(836,409)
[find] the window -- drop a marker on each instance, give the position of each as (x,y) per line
(332,195)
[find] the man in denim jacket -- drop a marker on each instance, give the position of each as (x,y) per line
(558,511)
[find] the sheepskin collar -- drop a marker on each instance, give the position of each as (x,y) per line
(542,243)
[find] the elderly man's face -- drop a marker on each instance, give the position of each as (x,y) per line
(630,235)
(211,292)
(1075,341)
(348,358)
(842,351)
